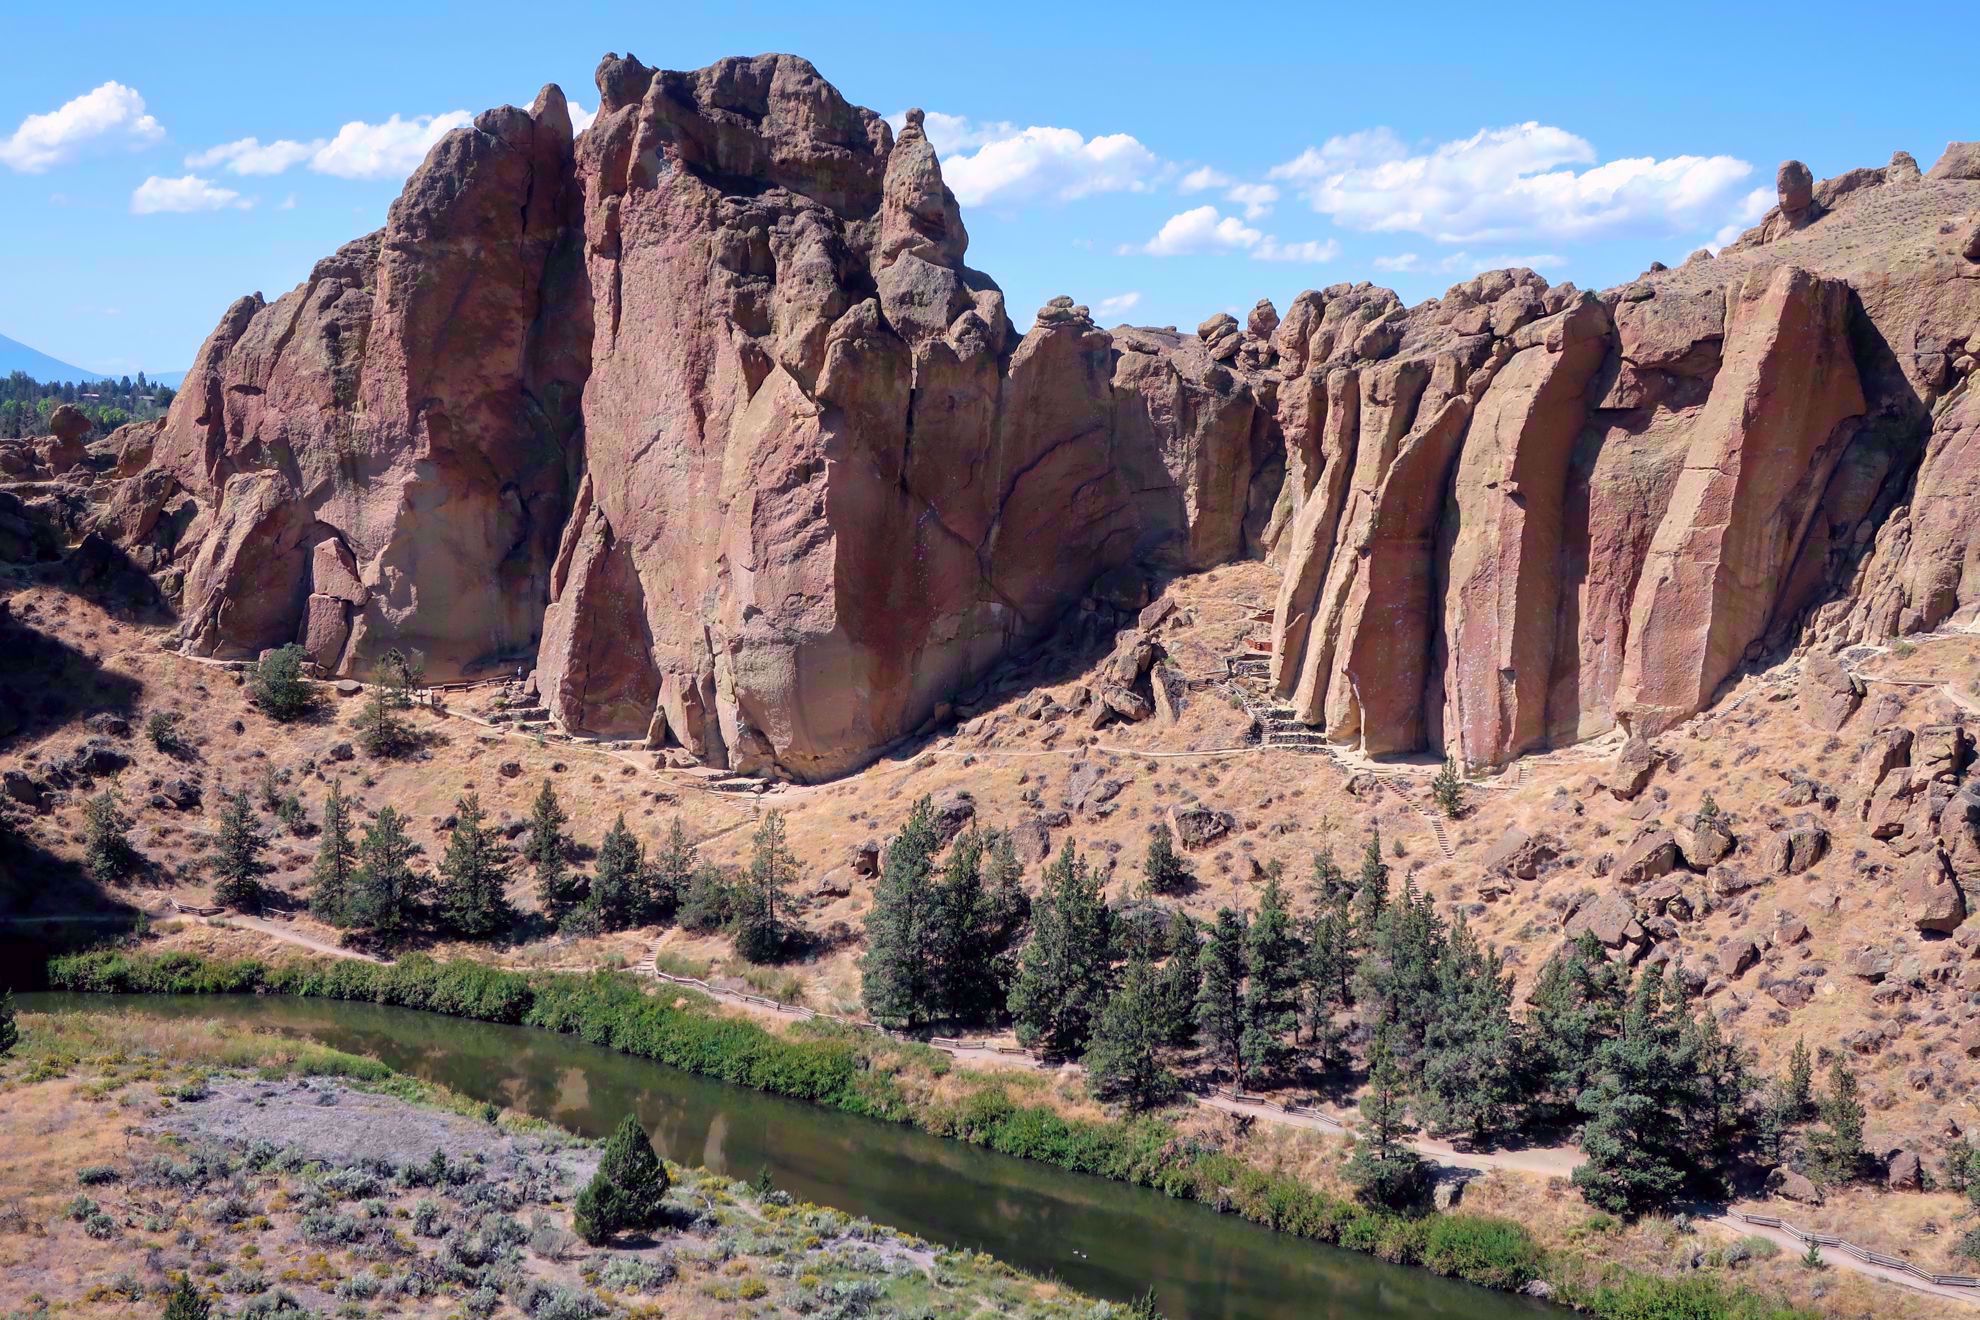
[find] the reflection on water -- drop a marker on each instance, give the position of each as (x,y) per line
(1100,1237)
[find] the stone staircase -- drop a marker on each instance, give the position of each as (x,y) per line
(522,712)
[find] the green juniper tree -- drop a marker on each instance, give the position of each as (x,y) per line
(382,731)
(1163,868)
(1124,1061)
(627,1193)
(387,895)
(1062,973)
(898,975)
(1835,1149)
(1717,1085)
(277,685)
(1447,789)
(1003,880)
(1327,970)
(236,856)
(668,876)
(1272,958)
(1471,1049)
(1576,1004)
(1181,977)
(1371,894)
(1220,1017)
(760,931)
(336,859)
(474,876)
(1635,1138)
(618,881)
(965,936)
(106,839)
(1396,980)
(1383,1167)
(547,849)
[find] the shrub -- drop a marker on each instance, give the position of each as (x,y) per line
(186,1302)
(1493,1252)
(95,1175)
(106,839)
(162,728)
(628,1189)
(278,687)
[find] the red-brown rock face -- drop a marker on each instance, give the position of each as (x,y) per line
(413,407)
(704,414)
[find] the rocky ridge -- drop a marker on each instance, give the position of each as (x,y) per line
(702,415)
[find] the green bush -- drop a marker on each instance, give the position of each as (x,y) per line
(278,687)
(1493,1252)
(1692,1297)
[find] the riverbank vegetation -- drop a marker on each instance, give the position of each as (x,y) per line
(207,1170)
(868,1074)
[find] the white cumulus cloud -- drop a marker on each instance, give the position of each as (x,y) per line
(1119,303)
(184,195)
(1203,229)
(110,114)
(1746,215)
(581,118)
(390,150)
(1257,199)
(1400,261)
(1203,178)
(252,156)
(995,161)
(1526,180)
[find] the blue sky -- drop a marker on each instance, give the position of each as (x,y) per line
(1158,162)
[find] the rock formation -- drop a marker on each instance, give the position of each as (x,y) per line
(704,415)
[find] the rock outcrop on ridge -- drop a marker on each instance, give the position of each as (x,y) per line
(703,415)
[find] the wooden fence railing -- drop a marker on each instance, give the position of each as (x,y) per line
(1830,1242)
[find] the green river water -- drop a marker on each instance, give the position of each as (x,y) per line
(1101,1237)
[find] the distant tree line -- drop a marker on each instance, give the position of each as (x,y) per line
(27,403)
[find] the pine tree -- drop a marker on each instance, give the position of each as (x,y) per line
(618,882)
(897,977)
(1798,1086)
(668,876)
(1396,981)
(627,1192)
(330,882)
(1220,991)
(967,987)
(1383,1167)
(547,850)
(1163,867)
(1181,977)
(760,932)
(386,892)
(1471,1059)
(1576,1005)
(1003,881)
(474,876)
(236,856)
(1447,789)
(10,1031)
(1715,1082)
(1635,1135)
(1272,957)
(106,839)
(186,1302)
(381,730)
(1124,1061)
(1062,973)
(1327,971)
(1835,1149)
(1371,893)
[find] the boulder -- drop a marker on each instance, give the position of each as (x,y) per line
(1932,899)
(22,788)
(1868,962)
(954,809)
(1703,842)
(1651,854)
(1902,1172)
(1522,855)
(1200,826)
(1629,773)
(1737,956)
(1126,703)
(1794,1186)
(1830,694)
(1032,839)
(1960,160)
(835,883)
(1088,785)
(1794,850)
(864,858)
(1608,917)
(69,424)
(1942,751)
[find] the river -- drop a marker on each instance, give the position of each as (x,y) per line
(1105,1238)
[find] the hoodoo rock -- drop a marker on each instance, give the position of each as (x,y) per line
(702,415)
